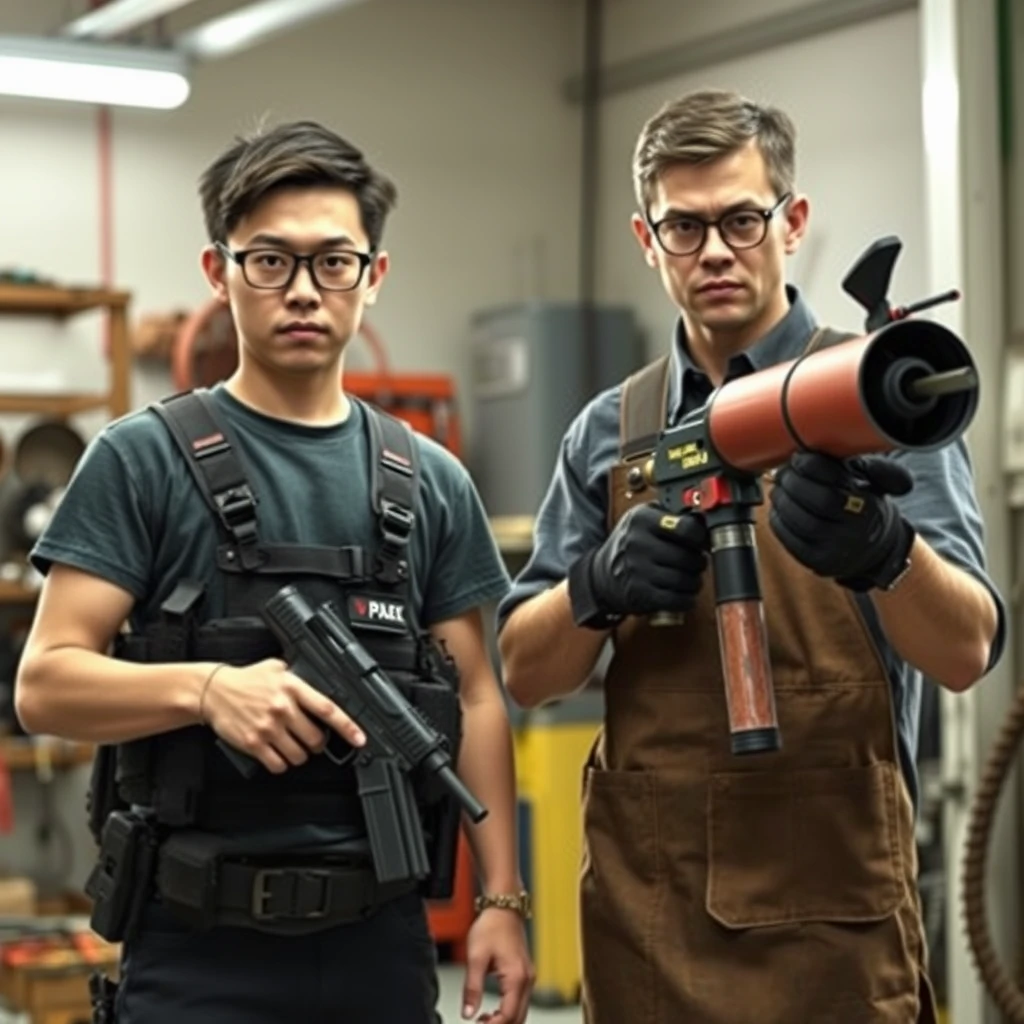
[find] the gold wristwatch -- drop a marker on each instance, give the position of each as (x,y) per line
(519,902)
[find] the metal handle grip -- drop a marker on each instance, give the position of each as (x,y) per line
(749,693)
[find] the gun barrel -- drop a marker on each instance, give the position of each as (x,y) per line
(476,810)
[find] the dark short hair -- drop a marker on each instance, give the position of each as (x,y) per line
(708,124)
(297,154)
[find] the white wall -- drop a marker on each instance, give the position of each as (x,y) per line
(855,97)
(634,28)
(457,100)
(1015,177)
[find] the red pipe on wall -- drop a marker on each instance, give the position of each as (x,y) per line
(104,132)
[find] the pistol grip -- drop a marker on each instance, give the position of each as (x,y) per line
(246,764)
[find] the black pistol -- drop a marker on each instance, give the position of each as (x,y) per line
(322,651)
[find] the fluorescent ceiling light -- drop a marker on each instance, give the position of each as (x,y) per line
(64,69)
(247,26)
(119,16)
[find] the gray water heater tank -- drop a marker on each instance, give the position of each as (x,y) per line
(529,381)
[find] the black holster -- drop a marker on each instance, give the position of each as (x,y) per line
(102,996)
(441,813)
(122,880)
(102,797)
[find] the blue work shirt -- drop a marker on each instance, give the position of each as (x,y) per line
(573,516)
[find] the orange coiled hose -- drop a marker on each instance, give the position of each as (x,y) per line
(1005,992)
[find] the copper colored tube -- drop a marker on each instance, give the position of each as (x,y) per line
(743,640)
(748,422)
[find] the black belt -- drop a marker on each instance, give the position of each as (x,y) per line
(205,884)
(302,892)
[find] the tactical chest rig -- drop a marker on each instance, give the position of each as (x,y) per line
(192,795)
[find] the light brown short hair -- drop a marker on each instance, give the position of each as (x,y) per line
(711,123)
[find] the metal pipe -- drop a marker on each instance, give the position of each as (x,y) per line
(118,17)
(963,379)
(247,26)
(589,184)
(754,37)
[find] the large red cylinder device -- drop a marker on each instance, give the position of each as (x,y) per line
(910,385)
(854,398)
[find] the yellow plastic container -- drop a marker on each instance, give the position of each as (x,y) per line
(551,746)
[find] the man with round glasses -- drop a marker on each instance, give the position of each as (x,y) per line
(776,887)
(681,234)
(267,898)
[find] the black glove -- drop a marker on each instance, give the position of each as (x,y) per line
(651,562)
(836,518)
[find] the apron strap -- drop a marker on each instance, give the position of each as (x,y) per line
(644,408)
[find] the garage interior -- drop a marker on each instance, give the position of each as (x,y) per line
(516,293)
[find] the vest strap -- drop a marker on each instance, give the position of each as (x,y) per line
(394,474)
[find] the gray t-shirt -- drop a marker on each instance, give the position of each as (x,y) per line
(134,516)
(572,519)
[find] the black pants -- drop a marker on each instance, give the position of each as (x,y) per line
(382,969)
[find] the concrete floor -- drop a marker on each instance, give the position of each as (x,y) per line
(452,977)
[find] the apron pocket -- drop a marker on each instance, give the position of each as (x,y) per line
(803,846)
(619,895)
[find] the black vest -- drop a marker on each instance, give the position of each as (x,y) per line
(181,776)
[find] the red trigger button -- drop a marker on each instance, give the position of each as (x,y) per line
(714,492)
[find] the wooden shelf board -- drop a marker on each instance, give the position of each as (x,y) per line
(16,593)
(51,405)
(42,300)
(21,754)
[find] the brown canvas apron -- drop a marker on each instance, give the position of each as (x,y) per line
(759,889)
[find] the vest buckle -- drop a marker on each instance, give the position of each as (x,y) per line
(237,507)
(396,523)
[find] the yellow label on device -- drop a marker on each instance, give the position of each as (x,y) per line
(854,503)
(669,522)
(689,455)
